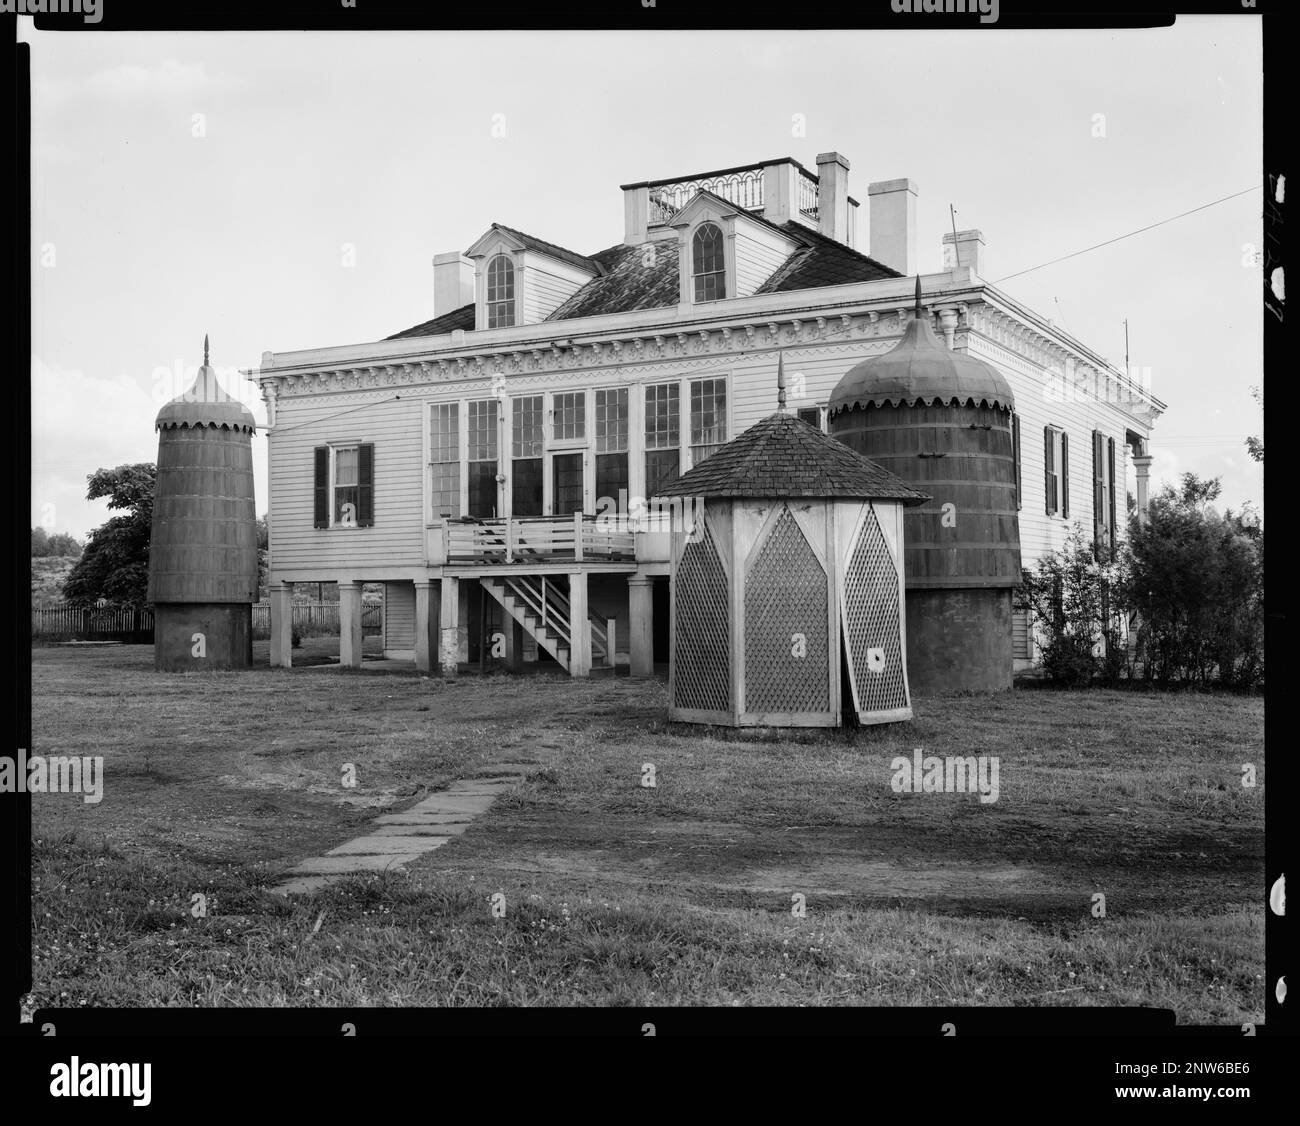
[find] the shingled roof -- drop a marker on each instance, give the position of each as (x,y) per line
(440,326)
(532,242)
(624,282)
(783,456)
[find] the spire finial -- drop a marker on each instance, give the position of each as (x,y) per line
(780,382)
(205,345)
(918,297)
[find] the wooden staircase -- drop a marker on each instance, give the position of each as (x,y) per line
(540,604)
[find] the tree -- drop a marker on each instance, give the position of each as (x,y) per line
(1255,446)
(114,564)
(1196,580)
(1072,595)
(263,551)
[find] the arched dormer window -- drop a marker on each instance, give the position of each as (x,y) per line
(708,263)
(500,292)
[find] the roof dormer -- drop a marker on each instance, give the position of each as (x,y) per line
(521,280)
(724,251)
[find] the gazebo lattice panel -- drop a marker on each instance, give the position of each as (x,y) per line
(871,615)
(702,675)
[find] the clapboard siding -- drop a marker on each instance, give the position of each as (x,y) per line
(757,257)
(547,286)
(399,616)
(395,430)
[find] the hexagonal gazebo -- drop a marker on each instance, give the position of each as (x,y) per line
(787,584)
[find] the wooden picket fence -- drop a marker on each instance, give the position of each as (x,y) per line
(76,623)
(135,627)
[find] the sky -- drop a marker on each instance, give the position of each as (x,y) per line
(186,184)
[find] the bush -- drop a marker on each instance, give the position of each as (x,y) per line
(1072,596)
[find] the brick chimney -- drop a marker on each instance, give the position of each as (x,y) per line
(893,224)
(453,282)
(833,196)
(966,248)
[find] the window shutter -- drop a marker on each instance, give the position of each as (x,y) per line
(322,489)
(1098,491)
(1047,470)
(1110,458)
(1015,452)
(1065,475)
(365,485)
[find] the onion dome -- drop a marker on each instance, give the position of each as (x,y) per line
(206,403)
(783,456)
(919,369)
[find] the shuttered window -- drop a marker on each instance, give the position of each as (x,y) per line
(1056,471)
(1110,493)
(1015,455)
(344,486)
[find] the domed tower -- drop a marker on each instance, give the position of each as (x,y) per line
(941,420)
(203,551)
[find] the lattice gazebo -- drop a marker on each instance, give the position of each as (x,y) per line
(787,591)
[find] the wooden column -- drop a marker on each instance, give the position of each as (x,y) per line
(641,640)
(514,643)
(423,613)
(350,625)
(580,628)
(281,599)
(449,626)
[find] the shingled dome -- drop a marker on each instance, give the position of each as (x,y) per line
(206,403)
(783,456)
(919,369)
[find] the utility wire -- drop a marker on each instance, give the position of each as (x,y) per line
(1130,234)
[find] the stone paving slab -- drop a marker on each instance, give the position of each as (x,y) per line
(399,838)
(418,829)
(375,846)
(451,822)
(317,865)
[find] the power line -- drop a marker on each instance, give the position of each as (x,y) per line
(1130,234)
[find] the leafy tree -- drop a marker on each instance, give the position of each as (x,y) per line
(1255,446)
(63,544)
(263,552)
(114,564)
(1196,580)
(1072,596)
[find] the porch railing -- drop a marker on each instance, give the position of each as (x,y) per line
(536,539)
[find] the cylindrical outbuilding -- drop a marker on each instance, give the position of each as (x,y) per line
(203,548)
(942,420)
(787,584)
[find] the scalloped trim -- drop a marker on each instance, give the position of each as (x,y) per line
(922,400)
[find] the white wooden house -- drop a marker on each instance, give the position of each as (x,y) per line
(489,466)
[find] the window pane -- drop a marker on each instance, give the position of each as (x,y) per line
(483,488)
(662,411)
(812,416)
(708,263)
(611,420)
(445,488)
(708,412)
(567,494)
(345,496)
(444,432)
(526,427)
(661,468)
(570,416)
(526,487)
(611,476)
(483,430)
(500,292)
(345,466)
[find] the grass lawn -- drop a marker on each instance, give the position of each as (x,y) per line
(618,894)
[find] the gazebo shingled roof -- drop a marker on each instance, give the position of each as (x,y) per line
(783,456)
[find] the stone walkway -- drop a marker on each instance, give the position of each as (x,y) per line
(399,838)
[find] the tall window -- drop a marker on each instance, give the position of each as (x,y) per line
(346,481)
(500,292)
(444,459)
(570,416)
(611,442)
(526,456)
(482,457)
(708,417)
(1103,491)
(1056,471)
(662,436)
(708,264)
